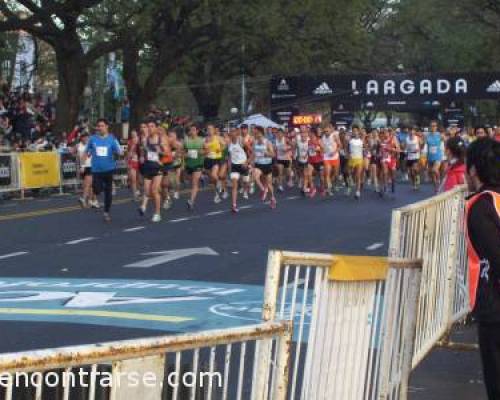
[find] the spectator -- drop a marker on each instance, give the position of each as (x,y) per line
(455,174)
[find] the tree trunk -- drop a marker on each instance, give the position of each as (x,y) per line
(208,99)
(73,76)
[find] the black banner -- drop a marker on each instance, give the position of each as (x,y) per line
(69,166)
(5,170)
(388,91)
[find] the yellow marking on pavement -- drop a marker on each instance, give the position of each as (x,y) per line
(98,314)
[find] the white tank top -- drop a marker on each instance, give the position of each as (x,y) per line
(238,154)
(281,150)
(330,146)
(302,150)
(356,149)
(413,148)
(260,150)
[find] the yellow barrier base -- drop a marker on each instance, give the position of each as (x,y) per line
(358,268)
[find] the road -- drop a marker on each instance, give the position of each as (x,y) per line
(67,278)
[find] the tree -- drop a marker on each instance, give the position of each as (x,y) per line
(61,24)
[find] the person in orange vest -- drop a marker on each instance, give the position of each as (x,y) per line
(483,237)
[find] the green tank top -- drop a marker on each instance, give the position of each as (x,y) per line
(194,152)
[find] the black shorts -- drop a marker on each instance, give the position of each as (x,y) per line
(301,165)
(374,160)
(151,170)
(166,168)
(266,169)
(87,171)
(286,163)
(318,167)
(402,157)
(411,163)
(209,163)
(192,170)
(239,169)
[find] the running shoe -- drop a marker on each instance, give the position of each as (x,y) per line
(252,188)
(217,198)
(176,195)
(95,204)
(225,195)
(312,193)
(190,205)
(245,195)
(281,189)
(235,209)
(263,196)
(357,196)
(156,218)
(82,202)
(107,217)
(329,192)
(273,203)
(167,204)
(141,210)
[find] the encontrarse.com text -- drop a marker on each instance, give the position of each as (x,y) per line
(82,378)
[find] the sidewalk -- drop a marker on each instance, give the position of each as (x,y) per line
(450,375)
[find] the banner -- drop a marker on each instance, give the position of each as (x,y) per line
(5,170)
(39,170)
(68,166)
(384,91)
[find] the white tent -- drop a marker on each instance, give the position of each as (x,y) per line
(260,120)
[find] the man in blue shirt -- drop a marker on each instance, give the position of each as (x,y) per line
(103,148)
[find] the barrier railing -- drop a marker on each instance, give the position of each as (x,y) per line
(433,230)
(340,314)
(152,369)
(9,173)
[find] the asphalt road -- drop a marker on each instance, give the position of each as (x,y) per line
(50,250)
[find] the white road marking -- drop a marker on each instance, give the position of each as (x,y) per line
(210,214)
(174,221)
(163,257)
(300,282)
(19,253)
(246,207)
(375,246)
(137,228)
(77,241)
(293,198)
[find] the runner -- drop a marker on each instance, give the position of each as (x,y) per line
(356,160)
(434,142)
(87,199)
(176,167)
(262,157)
(373,146)
(455,173)
(412,147)
(224,167)
(283,160)
(239,167)
(314,162)
(213,149)
(330,145)
(133,164)
(102,149)
(193,147)
(167,162)
(302,156)
(151,151)
(388,151)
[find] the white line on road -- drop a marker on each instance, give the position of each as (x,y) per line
(137,228)
(174,221)
(293,198)
(210,214)
(246,207)
(77,241)
(375,246)
(19,253)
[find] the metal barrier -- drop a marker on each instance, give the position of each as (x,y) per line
(342,356)
(152,368)
(9,173)
(433,230)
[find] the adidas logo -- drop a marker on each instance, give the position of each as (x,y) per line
(494,87)
(323,89)
(283,86)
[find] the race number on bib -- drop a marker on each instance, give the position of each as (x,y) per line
(101,151)
(192,153)
(153,156)
(433,150)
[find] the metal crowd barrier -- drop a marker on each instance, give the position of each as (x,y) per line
(219,364)
(342,326)
(434,231)
(9,173)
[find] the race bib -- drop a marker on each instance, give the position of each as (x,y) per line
(212,155)
(192,153)
(312,152)
(433,150)
(153,156)
(101,151)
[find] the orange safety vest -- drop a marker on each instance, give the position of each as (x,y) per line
(474,260)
